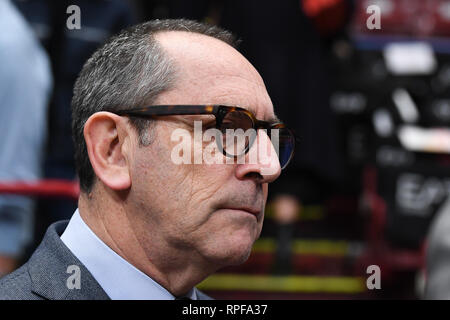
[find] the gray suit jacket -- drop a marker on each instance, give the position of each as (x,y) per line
(45,275)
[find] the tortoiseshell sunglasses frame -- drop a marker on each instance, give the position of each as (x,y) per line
(219,111)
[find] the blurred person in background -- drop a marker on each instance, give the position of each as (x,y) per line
(25,87)
(438,256)
(68,49)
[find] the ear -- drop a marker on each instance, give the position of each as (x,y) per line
(105,134)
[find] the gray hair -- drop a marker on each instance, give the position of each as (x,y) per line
(130,70)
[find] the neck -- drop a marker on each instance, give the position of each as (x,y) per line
(133,239)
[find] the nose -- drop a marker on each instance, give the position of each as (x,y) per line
(261,161)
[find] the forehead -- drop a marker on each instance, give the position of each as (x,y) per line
(209,71)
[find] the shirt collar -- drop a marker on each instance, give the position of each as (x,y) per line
(118,278)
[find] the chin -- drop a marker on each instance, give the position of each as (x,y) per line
(230,242)
(240,257)
(232,252)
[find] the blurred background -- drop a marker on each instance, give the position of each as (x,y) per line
(368,96)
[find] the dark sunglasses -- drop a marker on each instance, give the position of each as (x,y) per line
(229,118)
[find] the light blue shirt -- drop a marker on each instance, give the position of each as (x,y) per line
(118,278)
(25,87)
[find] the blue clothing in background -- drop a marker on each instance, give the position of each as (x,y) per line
(68,50)
(25,84)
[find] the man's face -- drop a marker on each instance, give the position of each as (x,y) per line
(214,212)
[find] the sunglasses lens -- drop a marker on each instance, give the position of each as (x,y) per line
(286,146)
(237,120)
(236,134)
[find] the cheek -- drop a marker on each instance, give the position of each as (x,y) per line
(155,179)
(182,191)
(210,179)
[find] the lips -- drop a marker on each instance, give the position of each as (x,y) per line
(253,211)
(248,200)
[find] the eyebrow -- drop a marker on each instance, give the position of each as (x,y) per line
(272,119)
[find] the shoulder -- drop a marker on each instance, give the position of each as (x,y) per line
(17,286)
(20,284)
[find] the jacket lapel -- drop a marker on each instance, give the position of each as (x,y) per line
(52,265)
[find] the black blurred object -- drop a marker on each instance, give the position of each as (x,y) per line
(358,79)
(287,50)
(283,255)
(413,194)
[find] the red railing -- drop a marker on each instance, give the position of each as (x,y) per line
(42,188)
